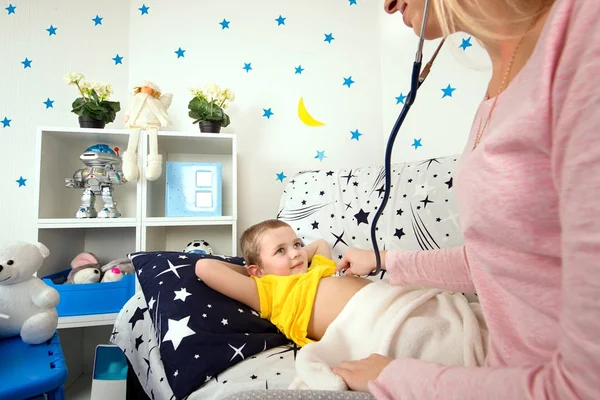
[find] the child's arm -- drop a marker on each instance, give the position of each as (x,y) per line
(229,279)
(318,247)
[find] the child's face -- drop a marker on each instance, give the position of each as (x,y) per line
(281,253)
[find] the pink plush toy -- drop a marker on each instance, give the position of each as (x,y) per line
(86,269)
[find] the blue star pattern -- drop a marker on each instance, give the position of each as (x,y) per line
(280,20)
(299,69)
(21,181)
(26,63)
(247,67)
(348,81)
(281,176)
(355,135)
(466,43)
(352,2)
(97,20)
(10,9)
(118,59)
(52,30)
(144,9)
(448,91)
(49,103)
(267,113)
(328,37)
(6,122)
(400,99)
(417,143)
(224,24)
(320,155)
(180,52)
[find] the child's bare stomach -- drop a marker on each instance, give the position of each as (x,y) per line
(333,293)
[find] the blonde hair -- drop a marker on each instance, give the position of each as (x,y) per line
(460,13)
(154,94)
(251,238)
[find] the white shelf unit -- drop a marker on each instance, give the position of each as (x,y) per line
(143,225)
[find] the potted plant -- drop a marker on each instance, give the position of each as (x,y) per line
(207,107)
(93,107)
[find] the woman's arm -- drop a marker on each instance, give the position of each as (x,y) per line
(318,247)
(446,269)
(229,279)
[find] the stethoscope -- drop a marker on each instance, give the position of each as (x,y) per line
(417,79)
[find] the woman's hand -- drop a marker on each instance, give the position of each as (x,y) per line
(357,262)
(357,374)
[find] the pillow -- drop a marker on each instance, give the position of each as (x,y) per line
(200,332)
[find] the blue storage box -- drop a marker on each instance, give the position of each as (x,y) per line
(90,298)
(194,189)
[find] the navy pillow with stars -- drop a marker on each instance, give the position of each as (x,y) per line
(200,332)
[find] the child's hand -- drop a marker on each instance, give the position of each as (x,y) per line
(357,262)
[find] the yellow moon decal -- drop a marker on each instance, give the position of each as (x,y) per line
(305,116)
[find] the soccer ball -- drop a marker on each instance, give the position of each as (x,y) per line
(198,246)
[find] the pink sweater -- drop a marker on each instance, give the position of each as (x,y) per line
(529,203)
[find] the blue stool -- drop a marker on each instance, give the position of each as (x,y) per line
(28,371)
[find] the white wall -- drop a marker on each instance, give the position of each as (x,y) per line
(372,47)
(442,124)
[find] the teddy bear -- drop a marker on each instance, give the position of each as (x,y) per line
(87,269)
(27,304)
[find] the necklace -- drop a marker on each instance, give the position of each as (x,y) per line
(482,126)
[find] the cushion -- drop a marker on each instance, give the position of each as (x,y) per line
(200,332)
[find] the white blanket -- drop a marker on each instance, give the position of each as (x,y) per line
(395,321)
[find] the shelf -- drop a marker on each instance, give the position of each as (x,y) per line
(56,223)
(80,321)
(187,221)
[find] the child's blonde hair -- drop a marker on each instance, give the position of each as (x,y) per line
(453,13)
(251,238)
(154,94)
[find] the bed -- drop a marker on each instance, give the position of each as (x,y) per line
(337,206)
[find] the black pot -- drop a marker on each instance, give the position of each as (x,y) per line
(89,122)
(210,126)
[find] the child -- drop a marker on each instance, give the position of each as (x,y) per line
(342,318)
(277,282)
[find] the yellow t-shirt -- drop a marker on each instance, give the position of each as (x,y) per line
(287,301)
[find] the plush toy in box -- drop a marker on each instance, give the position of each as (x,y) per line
(27,304)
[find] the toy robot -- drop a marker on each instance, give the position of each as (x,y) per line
(103,170)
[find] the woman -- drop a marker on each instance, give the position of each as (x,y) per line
(528,189)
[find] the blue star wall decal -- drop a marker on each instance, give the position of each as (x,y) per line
(26,63)
(247,67)
(352,2)
(49,103)
(401,98)
(299,69)
(224,24)
(21,181)
(6,122)
(97,20)
(328,37)
(118,59)
(320,155)
(280,20)
(10,9)
(144,9)
(466,43)
(355,135)
(417,143)
(348,81)
(267,113)
(448,91)
(180,52)
(281,176)
(52,30)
